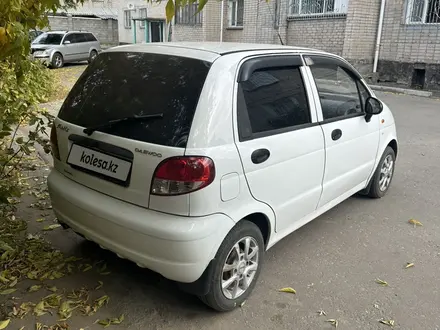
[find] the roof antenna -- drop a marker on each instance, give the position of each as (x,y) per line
(276,22)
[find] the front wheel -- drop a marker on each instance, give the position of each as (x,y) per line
(92,56)
(383,176)
(57,61)
(237,267)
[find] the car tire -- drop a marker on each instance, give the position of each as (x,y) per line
(383,176)
(92,56)
(232,261)
(57,61)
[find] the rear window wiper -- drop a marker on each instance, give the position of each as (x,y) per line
(89,130)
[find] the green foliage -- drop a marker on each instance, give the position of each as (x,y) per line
(18,106)
(17,17)
(23,84)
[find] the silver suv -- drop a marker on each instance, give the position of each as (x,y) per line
(58,47)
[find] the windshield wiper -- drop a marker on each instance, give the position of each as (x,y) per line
(89,130)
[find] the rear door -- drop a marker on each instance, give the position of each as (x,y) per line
(82,46)
(351,142)
(119,160)
(281,145)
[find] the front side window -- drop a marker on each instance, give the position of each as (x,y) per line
(338,90)
(275,99)
(127,19)
(188,14)
(49,39)
(236,13)
(423,11)
(317,7)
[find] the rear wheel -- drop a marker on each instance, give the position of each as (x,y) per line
(237,267)
(57,61)
(92,56)
(383,176)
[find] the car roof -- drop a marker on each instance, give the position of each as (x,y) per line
(219,48)
(64,32)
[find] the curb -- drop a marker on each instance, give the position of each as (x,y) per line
(401,90)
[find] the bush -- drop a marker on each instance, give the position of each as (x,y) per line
(19,99)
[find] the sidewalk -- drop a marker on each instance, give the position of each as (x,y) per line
(395,88)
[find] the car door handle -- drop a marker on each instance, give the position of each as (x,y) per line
(260,156)
(336,134)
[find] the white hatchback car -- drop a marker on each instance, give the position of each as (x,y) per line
(192,159)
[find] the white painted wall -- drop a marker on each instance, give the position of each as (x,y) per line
(154,11)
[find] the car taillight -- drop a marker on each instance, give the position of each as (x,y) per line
(54,142)
(182,175)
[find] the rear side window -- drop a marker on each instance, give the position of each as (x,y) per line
(275,99)
(122,84)
(90,37)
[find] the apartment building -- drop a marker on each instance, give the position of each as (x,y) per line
(409,52)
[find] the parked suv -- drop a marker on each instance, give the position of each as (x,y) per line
(58,47)
(193,159)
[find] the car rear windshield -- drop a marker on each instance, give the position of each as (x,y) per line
(49,39)
(125,84)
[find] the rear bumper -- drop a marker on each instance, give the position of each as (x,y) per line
(179,248)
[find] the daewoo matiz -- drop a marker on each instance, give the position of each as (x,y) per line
(193,159)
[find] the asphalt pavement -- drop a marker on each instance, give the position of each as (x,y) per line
(332,262)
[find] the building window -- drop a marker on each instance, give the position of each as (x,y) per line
(142,14)
(235,13)
(188,15)
(317,7)
(423,12)
(127,19)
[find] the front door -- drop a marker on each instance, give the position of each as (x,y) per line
(351,143)
(156,30)
(281,145)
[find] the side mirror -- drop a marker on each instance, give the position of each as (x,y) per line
(372,107)
(67,42)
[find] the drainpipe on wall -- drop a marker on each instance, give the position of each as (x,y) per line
(379,35)
(222,14)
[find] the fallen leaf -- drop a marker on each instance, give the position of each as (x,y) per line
(390,323)
(376,306)
(99,285)
(104,323)
(13,283)
(321,312)
(105,273)
(333,322)
(288,290)
(117,320)
(243,303)
(7,291)
(409,265)
(40,220)
(379,281)
(52,288)
(51,227)
(87,268)
(34,288)
(415,222)
(4,324)
(40,309)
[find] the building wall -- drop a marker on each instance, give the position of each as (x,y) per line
(106,30)
(361,33)
(406,48)
(154,11)
(327,34)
